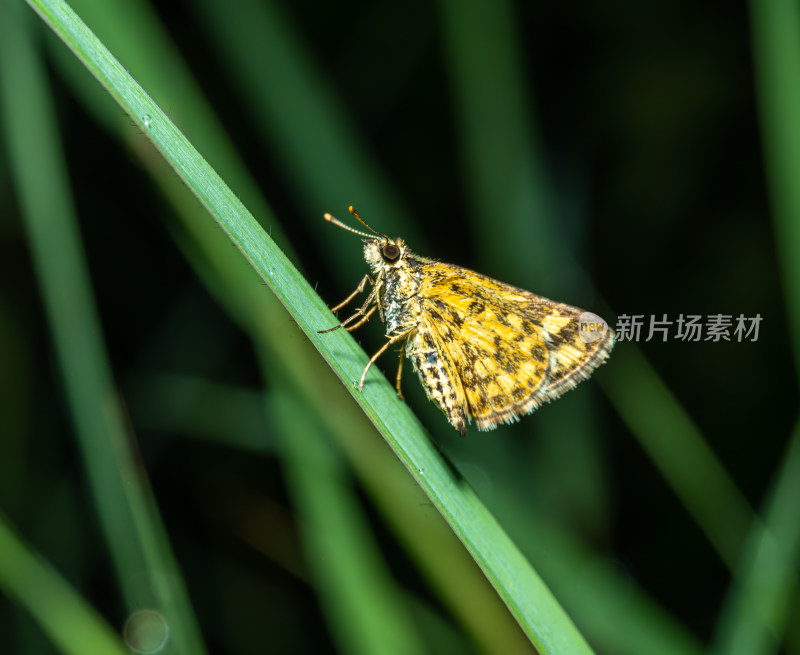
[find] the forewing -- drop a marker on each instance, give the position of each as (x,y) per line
(512,350)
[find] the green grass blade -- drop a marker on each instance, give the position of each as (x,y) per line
(757,609)
(613,611)
(775,28)
(509,204)
(453,574)
(619,620)
(126,510)
(365,611)
(512,213)
(447,566)
(71,623)
(144,45)
(325,158)
(500,159)
(520,587)
(680,452)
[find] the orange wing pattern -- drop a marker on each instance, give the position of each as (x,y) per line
(493,352)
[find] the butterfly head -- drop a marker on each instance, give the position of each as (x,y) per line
(383,254)
(380,251)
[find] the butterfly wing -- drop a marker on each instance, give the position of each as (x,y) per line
(509,350)
(438,372)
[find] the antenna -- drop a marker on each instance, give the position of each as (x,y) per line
(337,222)
(361,220)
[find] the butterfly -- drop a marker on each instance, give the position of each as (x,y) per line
(485,351)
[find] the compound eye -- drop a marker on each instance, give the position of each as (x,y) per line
(390,252)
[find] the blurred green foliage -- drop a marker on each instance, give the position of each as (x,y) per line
(638,157)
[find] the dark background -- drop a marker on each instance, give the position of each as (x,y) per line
(644,117)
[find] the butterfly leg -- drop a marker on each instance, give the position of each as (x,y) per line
(358,290)
(350,328)
(397,337)
(360,313)
(399,375)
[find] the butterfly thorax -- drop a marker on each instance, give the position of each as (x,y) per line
(397,271)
